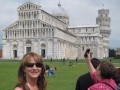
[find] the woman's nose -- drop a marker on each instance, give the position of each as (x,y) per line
(34,66)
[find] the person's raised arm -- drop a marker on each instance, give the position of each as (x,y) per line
(88,61)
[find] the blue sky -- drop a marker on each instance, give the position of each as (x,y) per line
(79,11)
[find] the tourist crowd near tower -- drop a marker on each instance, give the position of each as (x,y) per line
(51,36)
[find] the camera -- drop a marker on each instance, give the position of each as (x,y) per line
(87,51)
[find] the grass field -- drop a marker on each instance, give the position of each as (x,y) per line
(64,79)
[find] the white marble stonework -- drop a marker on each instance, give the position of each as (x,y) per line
(51,36)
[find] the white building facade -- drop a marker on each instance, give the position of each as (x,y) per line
(51,36)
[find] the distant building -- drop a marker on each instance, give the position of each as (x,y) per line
(118,51)
(51,36)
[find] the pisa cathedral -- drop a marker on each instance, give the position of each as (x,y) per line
(51,36)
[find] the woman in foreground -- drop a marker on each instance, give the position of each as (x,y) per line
(31,73)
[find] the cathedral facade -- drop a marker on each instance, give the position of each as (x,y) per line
(51,36)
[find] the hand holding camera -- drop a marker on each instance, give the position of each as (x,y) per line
(86,53)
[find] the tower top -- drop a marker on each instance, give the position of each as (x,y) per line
(59,4)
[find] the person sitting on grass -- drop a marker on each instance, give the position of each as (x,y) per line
(70,63)
(51,72)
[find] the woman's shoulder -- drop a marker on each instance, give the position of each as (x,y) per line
(18,88)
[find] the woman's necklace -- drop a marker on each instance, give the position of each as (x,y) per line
(32,88)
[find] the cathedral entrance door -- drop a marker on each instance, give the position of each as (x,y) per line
(43,53)
(28,49)
(14,53)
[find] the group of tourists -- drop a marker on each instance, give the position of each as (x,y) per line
(102,75)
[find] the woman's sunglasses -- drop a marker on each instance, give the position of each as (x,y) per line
(32,64)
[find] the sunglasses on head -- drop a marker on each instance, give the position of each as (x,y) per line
(32,64)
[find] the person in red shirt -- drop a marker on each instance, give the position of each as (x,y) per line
(102,76)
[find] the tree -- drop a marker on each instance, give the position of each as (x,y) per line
(112,52)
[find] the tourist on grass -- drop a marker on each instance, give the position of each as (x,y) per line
(63,61)
(51,71)
(31,73)
(85,80)
(76,60)
(51,60)
(102,75)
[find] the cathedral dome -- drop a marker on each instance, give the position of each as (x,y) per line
(60,12)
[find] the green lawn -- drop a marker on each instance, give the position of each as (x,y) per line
(64,79)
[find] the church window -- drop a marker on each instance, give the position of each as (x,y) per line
(29,6)
(23,33)
(23,25)
(25,7)
(93,29)
(86,29)
(28,32)
(93,38)
(28,49)
(28,42)
(34,15)
(19,14)
(33,33)
(6,35)
(33,24)
(36,23)
(15,33)
(24,15)
(28,24)
(29,15)
(43,50)
(43,45)
(44,25)
(14,46)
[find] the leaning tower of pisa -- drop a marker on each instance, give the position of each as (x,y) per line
(103,20)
